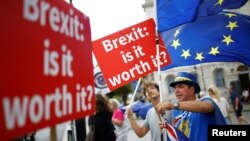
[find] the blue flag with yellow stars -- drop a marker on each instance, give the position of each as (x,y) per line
(172,13)
(211,7)
(224,37)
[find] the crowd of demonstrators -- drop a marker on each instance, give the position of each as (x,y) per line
(220,101)
(151,122)
(192,116)
(119,121)
(237,106)
(103,126)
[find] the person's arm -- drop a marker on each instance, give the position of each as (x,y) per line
(191,106)
(236,103)
(140,131)
(196,106)
(117,122)
(224,100)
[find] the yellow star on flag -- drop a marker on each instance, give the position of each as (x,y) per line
(199,56)
(175,43)
(232,25)
(219,2)
(214,51)
(185,53)
(227,39)
(230,15)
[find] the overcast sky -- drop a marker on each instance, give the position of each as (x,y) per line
(109,16)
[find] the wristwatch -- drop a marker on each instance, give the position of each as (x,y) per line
(176,105)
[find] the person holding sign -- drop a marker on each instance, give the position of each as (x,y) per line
(191,116)
(151,122)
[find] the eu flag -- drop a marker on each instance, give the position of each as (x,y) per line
(211,7)
(224,37)
(172,13)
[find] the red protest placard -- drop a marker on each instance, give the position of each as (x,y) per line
(129,54)
(46,65)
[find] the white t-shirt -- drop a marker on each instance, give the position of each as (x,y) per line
(223,105)
(152,122)
(122,131)
(245,93)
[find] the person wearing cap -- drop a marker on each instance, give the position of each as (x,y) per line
(151,122)
(190,115)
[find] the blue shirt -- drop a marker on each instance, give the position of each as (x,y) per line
(195,125)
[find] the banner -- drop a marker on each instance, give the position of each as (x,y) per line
(99,81)
(129,54)
(46,65)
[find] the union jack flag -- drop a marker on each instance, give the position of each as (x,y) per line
(174,134)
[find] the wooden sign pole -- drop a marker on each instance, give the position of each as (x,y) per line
(53,136)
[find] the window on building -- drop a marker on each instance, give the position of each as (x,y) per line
(219,78)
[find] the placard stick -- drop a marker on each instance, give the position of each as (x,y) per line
(133,97)
(53,136)
(154,105)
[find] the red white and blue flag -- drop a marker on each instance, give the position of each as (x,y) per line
(174,134)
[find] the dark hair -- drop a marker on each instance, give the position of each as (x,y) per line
(101,103)
(146,85)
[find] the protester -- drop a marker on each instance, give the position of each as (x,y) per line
(191,116)
(220,101)
(121,125)
(237,106)
(104,128)
(151,122)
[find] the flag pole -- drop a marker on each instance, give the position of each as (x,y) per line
(158,52)
(152,101)
(163,135)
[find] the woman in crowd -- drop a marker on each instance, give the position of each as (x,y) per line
(220,101)
(119,121)
(103,126)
